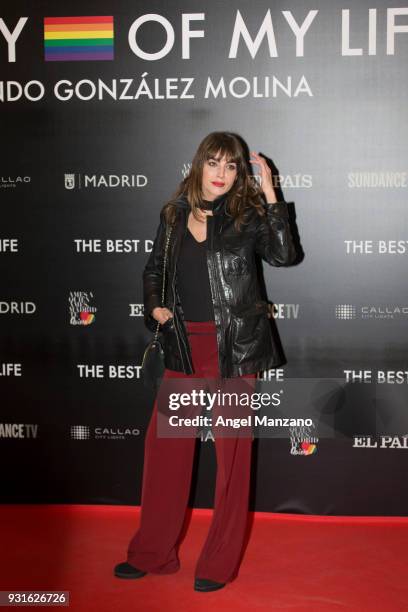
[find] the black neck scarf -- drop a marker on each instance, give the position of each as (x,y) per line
(206,205)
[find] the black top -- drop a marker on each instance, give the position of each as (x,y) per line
(193,283)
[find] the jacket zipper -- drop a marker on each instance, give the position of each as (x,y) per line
(216,284)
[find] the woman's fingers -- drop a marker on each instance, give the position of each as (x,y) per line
(162,314)
(165,315)
(261,161)
(256,159)
(266,176)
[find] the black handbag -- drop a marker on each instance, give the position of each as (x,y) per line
(152,367)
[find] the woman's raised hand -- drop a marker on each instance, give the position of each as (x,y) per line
(161,314)
(266,177)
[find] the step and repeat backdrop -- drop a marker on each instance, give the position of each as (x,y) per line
(103,105)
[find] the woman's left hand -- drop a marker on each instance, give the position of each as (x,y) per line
(266,177)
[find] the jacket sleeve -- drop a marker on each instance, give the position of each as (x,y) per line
(274,241)
(153,276)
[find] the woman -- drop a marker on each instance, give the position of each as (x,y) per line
(215,326)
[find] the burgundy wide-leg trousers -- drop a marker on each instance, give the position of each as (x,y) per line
(167,479)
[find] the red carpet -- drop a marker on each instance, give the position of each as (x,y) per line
(292,562)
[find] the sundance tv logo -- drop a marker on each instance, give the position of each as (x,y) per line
(18,430)
(80,310)
(284,311)
(95,181)
(376,180)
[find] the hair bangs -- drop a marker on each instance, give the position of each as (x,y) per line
(224,150)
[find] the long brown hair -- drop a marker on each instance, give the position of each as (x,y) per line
(244,192)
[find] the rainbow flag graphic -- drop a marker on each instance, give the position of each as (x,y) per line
(68,39)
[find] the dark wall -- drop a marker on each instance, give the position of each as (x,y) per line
(74,171)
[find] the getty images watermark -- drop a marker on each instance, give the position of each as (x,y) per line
(233,407)
(226,410)
(229,407)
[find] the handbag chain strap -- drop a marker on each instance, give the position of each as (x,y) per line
(166,248)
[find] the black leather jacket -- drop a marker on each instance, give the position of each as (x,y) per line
(244,335)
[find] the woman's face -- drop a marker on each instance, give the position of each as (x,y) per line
(218,177)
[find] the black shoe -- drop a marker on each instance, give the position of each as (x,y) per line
(204,584)
(125,570)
